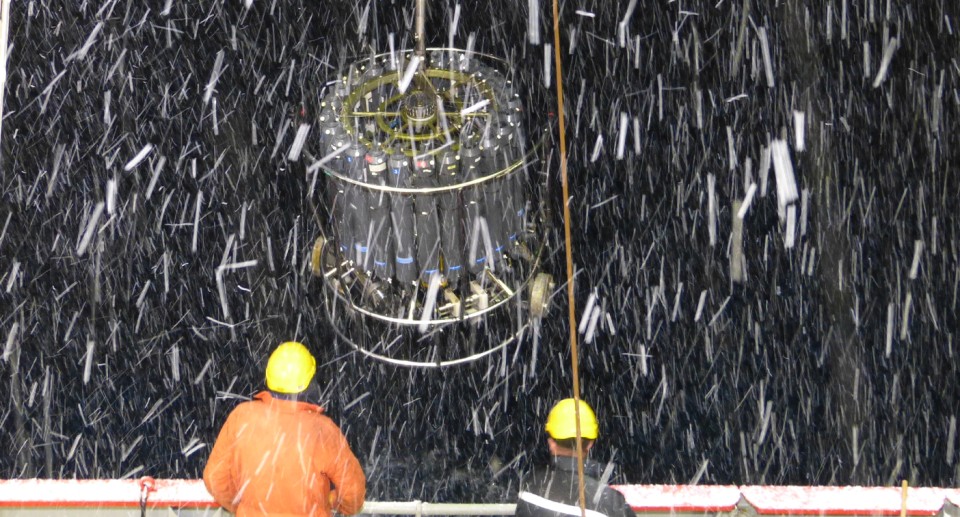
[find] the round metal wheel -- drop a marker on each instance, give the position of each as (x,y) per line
(540,293)
(315,259)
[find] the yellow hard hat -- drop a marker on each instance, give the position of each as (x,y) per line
(562,422)
(290,368)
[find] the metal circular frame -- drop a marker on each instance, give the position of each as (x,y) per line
(535,268)
(456,77)
(347,114)
(419,364)
(446,188)
(407,53)
(348,117)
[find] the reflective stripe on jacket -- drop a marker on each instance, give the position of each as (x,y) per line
(554,492)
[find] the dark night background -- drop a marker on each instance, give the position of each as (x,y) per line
(784,379)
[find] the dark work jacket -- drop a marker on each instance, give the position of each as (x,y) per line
(554,492)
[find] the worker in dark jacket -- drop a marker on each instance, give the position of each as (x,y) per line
(554,491)
(278,456)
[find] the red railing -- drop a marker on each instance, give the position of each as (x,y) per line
(766,500)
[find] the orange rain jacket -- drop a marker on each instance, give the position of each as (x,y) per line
(277,457)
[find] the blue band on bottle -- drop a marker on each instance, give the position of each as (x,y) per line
(520,213)
(453,268)
(513,237)
(481,259)
(381,264)
(430,271)
(404,260)
(349,159)
(344,248)
(361,249)
(498,249)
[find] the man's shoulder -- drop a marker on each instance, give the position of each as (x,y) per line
(613,494)
(613,503)
(248,406)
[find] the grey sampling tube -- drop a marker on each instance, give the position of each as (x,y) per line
(508,200)
(492,204)
(345,217)
(518,178)
(428,224)
(328,129)
(356,201)
(380,257)
(401,218)
(331,102)
(451,233)
(372,100)
(472,197)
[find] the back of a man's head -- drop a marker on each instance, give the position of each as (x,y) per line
(568,446)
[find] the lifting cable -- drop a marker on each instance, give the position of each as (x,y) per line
(566,229)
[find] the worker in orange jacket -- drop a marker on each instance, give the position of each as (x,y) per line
(278,456)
